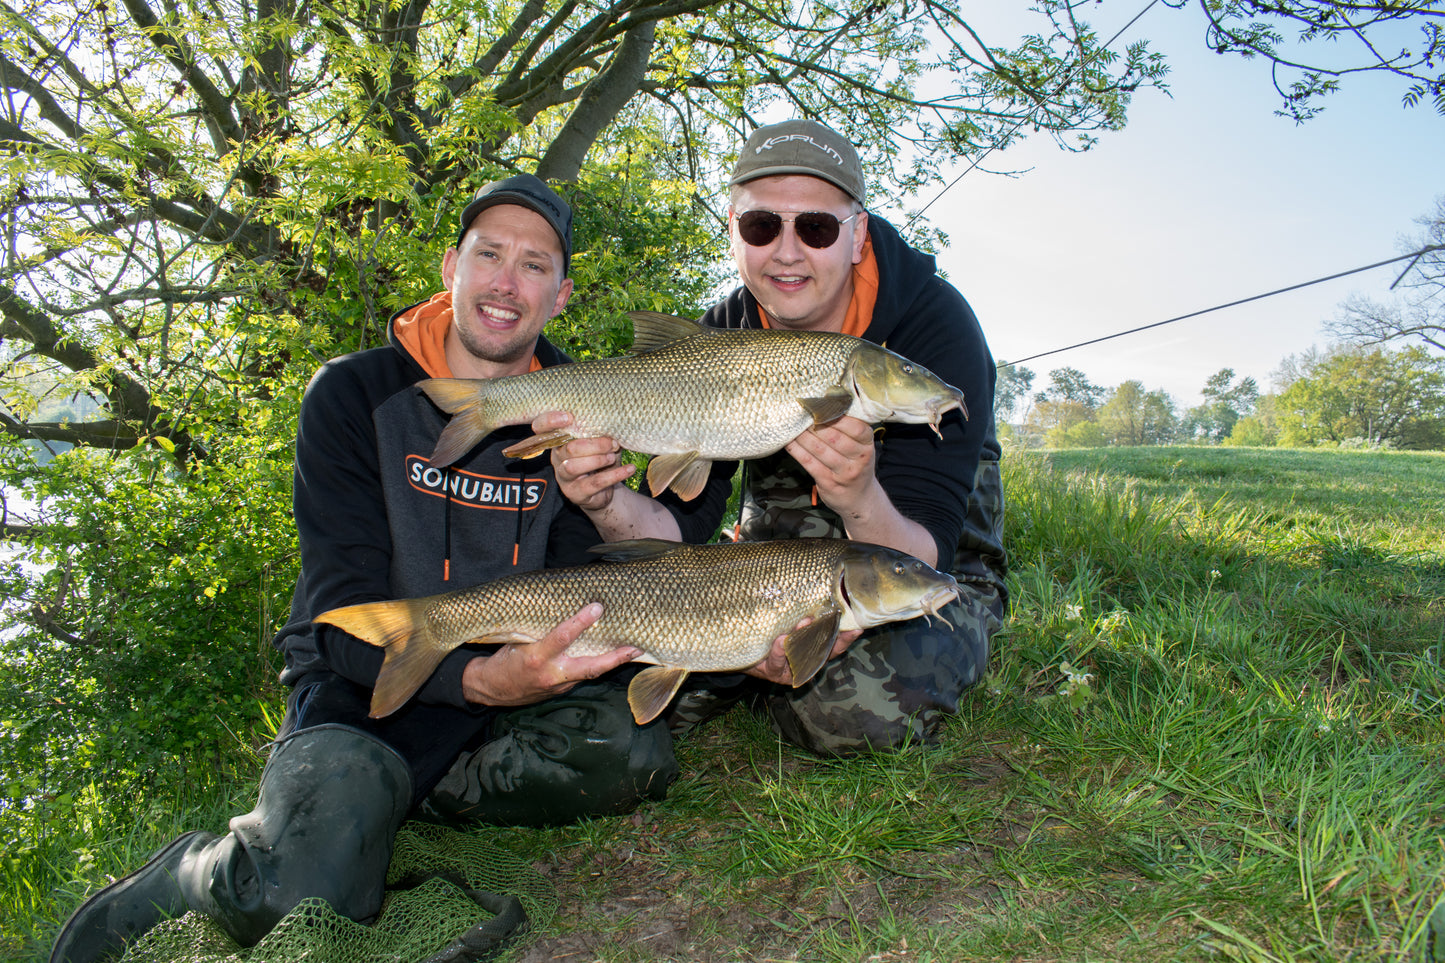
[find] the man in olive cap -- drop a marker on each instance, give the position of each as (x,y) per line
(502,734)
(813,258)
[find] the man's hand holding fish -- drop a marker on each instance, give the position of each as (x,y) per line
(520,675)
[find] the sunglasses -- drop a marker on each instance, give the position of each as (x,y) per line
(817,229)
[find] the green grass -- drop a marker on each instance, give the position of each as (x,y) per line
(1213,730)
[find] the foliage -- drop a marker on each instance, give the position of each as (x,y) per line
(1377,396)
(1258,430)
(1132,416)
(139,639)
(1062,415)
(1013,386)
(1225,402)
(1254,762)
(1070,385)
(1255,28)
(1419,311)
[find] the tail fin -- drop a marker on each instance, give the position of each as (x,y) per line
(470,423)
(412,652)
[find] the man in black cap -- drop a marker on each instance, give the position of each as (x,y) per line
(512,734)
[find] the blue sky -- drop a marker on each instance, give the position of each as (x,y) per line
(1205,197)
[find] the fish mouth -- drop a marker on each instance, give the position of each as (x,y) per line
(952,401)
(936,598)
(938,410)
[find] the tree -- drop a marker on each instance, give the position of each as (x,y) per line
(1420,310)
(1068,401)
(1254,28)
(1225,402)
(1374,396)
(1259,430)
(1132,416)
(1072,385)
(1013,385)
(176,170)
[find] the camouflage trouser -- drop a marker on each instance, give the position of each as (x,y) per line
(895,686)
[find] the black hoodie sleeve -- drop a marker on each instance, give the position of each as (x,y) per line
(930,480)
(341,521)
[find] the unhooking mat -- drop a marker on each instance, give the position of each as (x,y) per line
(428,914)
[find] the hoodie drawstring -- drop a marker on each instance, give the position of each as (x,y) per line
(447,525)
(517,542)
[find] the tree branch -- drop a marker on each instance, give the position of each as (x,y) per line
(175,50)
(603,98)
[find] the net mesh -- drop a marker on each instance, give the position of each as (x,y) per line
(415,924)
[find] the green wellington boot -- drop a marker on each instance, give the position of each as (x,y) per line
(331,801)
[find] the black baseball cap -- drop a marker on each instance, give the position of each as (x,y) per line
(530,192)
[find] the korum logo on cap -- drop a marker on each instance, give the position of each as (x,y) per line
(772,142)
(801,147)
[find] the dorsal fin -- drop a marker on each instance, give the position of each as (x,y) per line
(634,548)
(653,329)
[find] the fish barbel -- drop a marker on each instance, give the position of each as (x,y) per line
(689,608)
(691,394)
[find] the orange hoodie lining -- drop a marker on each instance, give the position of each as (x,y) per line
(422,330)
(865,294)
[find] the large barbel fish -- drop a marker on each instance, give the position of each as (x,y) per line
(690,394)
(689,608)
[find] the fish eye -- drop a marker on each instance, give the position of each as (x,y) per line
(899,568)
(907,369)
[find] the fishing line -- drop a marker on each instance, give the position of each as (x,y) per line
(1220,307)
(1024,120)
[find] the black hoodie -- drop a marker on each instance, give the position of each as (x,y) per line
(923,318)
(377,522)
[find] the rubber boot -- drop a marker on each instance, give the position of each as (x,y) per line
(331,801)
(577,755)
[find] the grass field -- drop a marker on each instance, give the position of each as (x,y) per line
(1214,730)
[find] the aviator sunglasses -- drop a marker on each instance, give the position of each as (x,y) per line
(817,229)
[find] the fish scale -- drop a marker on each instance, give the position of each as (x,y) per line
(688,608)
(745,599)
(726,395)
(691,395)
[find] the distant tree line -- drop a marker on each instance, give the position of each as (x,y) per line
(1347,395)
(1365,390)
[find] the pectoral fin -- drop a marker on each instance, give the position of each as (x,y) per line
(652,689)
(808,648)
(535,445)
(685,473)
(833,405)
